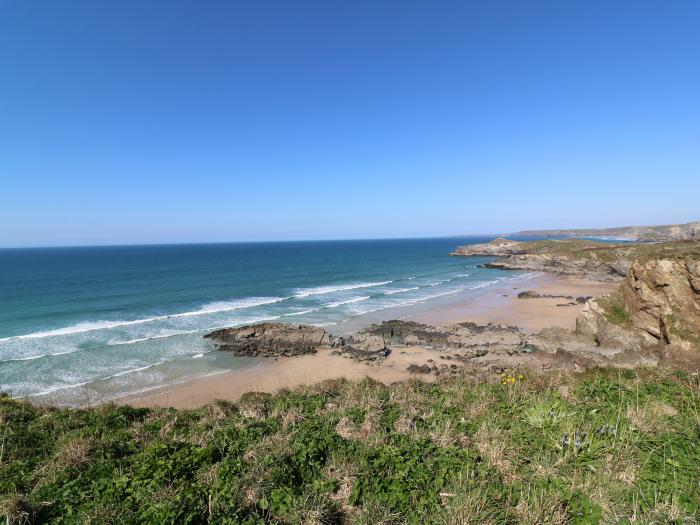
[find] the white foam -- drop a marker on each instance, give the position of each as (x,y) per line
(320,290)
(400,290)
(142,339)
(86,326)
(348,301)
(33,357)
(132,370)
(56,389)
(482,285)
(303,312)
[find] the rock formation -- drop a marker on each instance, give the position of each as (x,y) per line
(590,259)
(273,340)
(658,304)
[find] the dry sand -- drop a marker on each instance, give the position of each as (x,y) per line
(528,314)
(279,374)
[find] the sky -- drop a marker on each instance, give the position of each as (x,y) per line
(207,121)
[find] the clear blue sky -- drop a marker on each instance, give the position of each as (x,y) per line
(180,121)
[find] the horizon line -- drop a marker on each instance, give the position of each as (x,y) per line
(204,243)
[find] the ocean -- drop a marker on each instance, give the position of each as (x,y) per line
(85,325)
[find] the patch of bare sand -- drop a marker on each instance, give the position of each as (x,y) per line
(531,315)
(281,374)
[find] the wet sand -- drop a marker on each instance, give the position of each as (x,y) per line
(530,315)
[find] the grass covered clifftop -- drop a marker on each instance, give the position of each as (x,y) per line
(601,447)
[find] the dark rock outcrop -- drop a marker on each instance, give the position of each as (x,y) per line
(467,336)
(273,340)
(530,294)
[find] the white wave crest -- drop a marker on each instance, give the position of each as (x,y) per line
(482,285)
(320,290)
(400,290)
(348,301)
(88,326)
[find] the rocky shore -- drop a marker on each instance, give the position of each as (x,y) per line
(652,318)
(581,258)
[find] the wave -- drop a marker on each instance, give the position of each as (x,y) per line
(303,312)
(87,326)
(33,357)
(320,290)
(483,285)
(132,370)
(56,389)
(400,290)
(349,301)
(142,339)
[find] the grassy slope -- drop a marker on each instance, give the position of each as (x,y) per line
(451,452)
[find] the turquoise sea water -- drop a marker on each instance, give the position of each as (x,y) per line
(107,321)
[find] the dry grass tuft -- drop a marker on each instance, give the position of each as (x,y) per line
(366,432)
(292,417)
(492,445)
(405,425)
(540,508)
(445,435)
(466,503)
(650,417)
(74,453)
(273,444)
(16,509)
(255,405)
(346,474)
(219,410)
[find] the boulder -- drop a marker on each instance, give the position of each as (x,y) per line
(273,340)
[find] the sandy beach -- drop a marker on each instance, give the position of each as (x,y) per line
(530,315)
(499,307)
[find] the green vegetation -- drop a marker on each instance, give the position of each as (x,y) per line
(682,332)
(608,446)
(613,305)
(609,252)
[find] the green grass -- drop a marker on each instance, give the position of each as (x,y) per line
(607,446)
(608,252)
(613,306)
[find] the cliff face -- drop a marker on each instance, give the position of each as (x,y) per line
(658,304)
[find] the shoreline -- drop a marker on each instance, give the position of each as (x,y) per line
(497,306)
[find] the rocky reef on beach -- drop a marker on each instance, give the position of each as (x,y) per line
(273,340)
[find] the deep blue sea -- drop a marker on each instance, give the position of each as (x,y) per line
(105,321)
